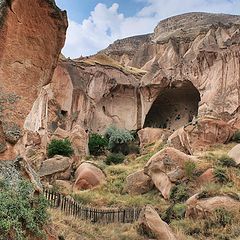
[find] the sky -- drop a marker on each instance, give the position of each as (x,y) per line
(93,25)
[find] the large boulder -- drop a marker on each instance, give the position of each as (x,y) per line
(138,183)
(148,136)
(152,226)
(88,176)
(167,167)
(234,153)
(200,134)
(198,206)
(58,165)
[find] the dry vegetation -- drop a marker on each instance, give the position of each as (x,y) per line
(104,60)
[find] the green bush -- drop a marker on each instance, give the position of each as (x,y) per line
(21,212)
(174,212)
(226,161)
(221,175)
(179,193)
(118,139)
(236,136)
(59,147)
(189,169)
(97,144)
(114,158)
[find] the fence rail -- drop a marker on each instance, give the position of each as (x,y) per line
(70,207)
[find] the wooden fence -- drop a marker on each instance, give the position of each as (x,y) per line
(70,207)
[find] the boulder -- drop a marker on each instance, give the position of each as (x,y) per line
(206,177)
(57,164)
(152,226)
(148,136)
(138,183)
(200,134)
(234,153)
(201,207)
(88,176)
(166,167)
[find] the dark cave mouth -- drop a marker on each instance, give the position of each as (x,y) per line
(174,107)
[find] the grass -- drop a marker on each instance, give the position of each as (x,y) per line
(70,228)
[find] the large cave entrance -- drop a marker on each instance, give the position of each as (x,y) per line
(174,107)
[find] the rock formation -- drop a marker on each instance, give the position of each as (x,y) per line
(166,167)
(29,63)
(188,66)
(152,226)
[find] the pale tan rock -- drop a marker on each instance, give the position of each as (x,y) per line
(150,222)
(57,164)
(166,167)
(88,176)
(201,207)
(234,153)
(201,134)
(138,183)
(148,136)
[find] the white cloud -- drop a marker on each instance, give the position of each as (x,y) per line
(105,25)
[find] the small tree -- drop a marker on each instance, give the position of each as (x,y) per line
(60,147)
(118,139)
(97,144)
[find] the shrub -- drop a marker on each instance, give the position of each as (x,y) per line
(176,211)
(179,193)
(59,147)
(118,139)
(189,169)
(222,217)
(114,158)
(97,144)
(236,136)
(21,212)
(226,161)
(221,175)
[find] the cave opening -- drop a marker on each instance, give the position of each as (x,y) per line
(174,107)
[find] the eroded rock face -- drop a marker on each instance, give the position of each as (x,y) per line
(138,183)
(188,66)
(201,207)
(167,167)
(88,176)
(151,225)
(200,134)
(30,61)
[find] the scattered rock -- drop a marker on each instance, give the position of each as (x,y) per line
(138,183)
(166,167)
(206,177)
(197,136)
(201,207)
(57,164)
(88,176)
(152,226)
(234,153)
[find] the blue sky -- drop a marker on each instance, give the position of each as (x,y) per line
(94,24)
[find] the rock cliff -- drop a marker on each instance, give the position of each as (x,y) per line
(189,66)
(29,51)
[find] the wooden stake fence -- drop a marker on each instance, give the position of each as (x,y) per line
(70,207)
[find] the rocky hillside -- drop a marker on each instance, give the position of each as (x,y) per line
(168,100)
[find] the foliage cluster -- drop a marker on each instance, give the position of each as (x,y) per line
(60,147)
(114,158)
(21,213)
(97,144)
